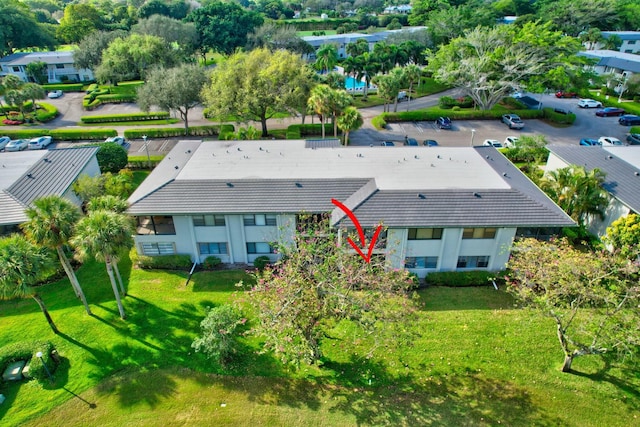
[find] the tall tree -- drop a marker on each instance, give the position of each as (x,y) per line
(269,83)
(326,57)
(184,34)
(348,121)
(37,72)
(320,102)
(104,235)
(51,222)
(8,84)
(79,21)
(88,54)
(223,27)
(593,298)
(358,47)
(20,30)
(174,89)
(22,264)
(33,91)
(412,74)
(488,63)
(274,37)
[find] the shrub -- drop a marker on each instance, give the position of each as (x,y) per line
(70,87)
(220,330)
(111,157)
(46,112)
(556,117)
(61,134)
(460,278)
(137,163)
(211,130)
(27,350)
(261,262)
(629,107)
(379,122)
(132,117)
(514,103)
(310,130)
(168,262)
(211,262)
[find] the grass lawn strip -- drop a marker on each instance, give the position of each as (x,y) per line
(475,361)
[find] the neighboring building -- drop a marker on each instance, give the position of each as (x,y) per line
(630,40)
(60,66)
(443,208)
(403,9)
(614,62)
(28,175)
(622,168)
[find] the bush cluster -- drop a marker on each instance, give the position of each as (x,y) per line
(434,113)
(560,118)
(27,350)
(299,131)
(46,112)
(131,117)
(447,102)
(211,262)
(261,262)
(379,122)
(142,163)
(71,87)
(460,278)
(174,132)
(61,134)
(96,96)
(168,262)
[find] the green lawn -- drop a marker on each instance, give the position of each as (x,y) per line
(473,360)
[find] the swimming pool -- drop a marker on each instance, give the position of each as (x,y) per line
(350,83)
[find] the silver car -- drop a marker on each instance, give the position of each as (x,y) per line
(4,140)
(513,121)
(16,145)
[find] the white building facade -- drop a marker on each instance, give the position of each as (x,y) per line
(60,66)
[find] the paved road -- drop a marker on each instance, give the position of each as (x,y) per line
(464,132)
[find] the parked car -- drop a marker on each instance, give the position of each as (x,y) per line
(513,121)
(633,139)
(430,142)
(589,142)
(54,94)
(563,94)
(629,120)
(387,144)
(589,103)
(443,123)
(16,145)
(116,139)
(411,141)
(511,141)
(39,143)
(609,141)
(402,96)
(610,111)
(4,140)
(492,143)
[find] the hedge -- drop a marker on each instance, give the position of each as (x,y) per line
(27,350)
(460,278)
(261,262)
(378,122)
(635,129)
(178,131)
(132,117)
(434,113)
(61,134)
(549,113)
(72,87)
(211,262)
(168,262)
(299,131)
(142,164)
(50,112)
(629,107)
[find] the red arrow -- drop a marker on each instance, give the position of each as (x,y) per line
(363,242)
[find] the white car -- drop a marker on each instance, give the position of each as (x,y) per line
(511,141)
(117,140)
(609,141)
(4,140)
(589,103)
(16,145)
(39,143)
(492,143)
(54,94)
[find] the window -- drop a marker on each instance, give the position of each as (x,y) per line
(631,42)
(210,248)
(259,248)
(628,51)
(425,233)
(473,261)
(16,69)
(209,220)
(155,225)
(59,66)
(260,219)
(421,262)
(479,233)
(158,249)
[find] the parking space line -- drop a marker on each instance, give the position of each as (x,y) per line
(164,145)
(417,125)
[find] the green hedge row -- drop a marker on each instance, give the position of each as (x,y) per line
(212,130)
(27,350)
(567,119)
(168,262)
(131,117)
(72,87)
(378,122)
(300,131)
(460,278)
(629,107)
(61,134)
(46,112)
(142,164)
(434,113)
(635,129)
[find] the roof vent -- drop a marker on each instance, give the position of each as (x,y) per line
(432,165)
(421,196)
(370,145)
(504,174)
(230,185)
(239,149)
(261,149)
(29,175)
(609,157)
(487,156)
(477,194)
(635,173)
(416,157)
(188,151)
(439,156)
(298,185)
(176,167)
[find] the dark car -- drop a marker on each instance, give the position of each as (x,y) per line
(430,142)
(610,111)
(411,141)
(590,142)
(387,144)
(629,120)
(443,123)
(563,94)
(633,139)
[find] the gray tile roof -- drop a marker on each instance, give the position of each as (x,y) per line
(624,35)
(246,196)
(56,57)
(622,179)
(614,59)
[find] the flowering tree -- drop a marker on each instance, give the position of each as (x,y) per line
(319,282)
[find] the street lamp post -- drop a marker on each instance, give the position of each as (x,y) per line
(146,148)
(39,356)
(473,133)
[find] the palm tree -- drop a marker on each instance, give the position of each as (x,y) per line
(351,68)
(319,101)
(51,223)
(103,235)
(21,265)
(107,203)
(326,57)
(370,68)
(412,73)
(349,120)
(9,83)
(357,48)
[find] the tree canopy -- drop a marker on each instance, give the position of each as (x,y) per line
(20,30)
(88,54)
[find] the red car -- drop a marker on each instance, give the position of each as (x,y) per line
(610,111)
(562,94)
